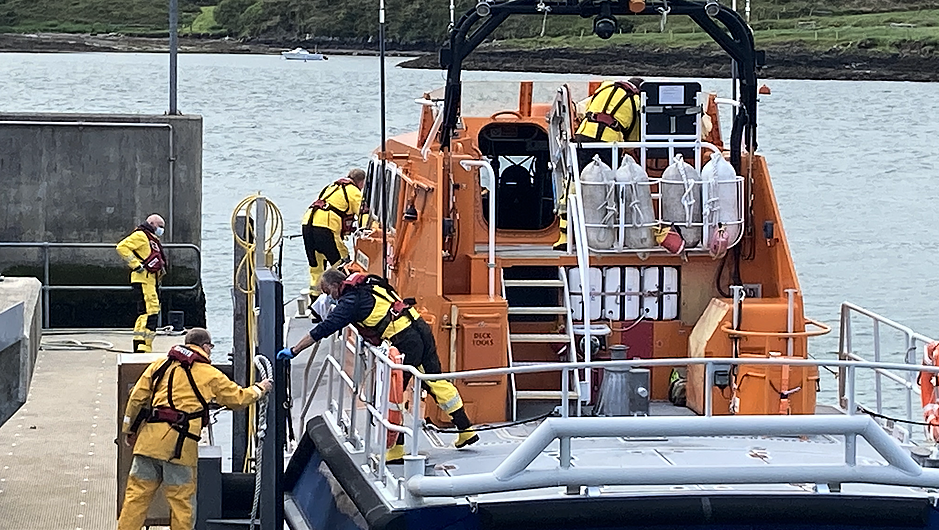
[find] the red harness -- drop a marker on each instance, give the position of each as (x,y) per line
(321,203)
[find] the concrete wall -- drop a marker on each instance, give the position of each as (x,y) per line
(20,335)
(93,178)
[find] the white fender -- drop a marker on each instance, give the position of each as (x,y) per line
(722,205)
(681,199)
(638,203)
(595,183)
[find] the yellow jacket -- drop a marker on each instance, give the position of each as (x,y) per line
(158,440)
(334,196)
(613,100)
(133,249)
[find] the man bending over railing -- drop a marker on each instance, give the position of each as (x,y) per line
(370,304)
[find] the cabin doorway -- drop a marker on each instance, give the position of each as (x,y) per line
(519,156)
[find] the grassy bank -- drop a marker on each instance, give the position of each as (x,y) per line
(887,32)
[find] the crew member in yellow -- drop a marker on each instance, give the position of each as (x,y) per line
(143,253)
(166,412)
(370,304)
(611,114)
(329,219)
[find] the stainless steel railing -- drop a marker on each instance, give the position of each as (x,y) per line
(372,375)
(47,288)
(910,343)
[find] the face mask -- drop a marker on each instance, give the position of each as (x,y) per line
(158,231)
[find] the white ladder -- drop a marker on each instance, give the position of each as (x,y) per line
(567,337)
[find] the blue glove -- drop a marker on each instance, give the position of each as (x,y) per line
(285,354)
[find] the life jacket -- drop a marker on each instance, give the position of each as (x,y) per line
(383,292)
(321,203)
(155,262)
(605,119)
(178,419)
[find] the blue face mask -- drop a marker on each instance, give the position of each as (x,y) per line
(158,231)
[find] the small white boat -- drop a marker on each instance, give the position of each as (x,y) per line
(300,54)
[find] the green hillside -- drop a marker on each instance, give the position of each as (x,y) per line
(889,25)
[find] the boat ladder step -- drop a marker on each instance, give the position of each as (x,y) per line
(539,337)
(544,394)
(534,310)
(533,283)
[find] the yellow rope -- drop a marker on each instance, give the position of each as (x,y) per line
(272,239)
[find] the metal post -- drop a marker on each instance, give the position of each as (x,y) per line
(340,399)
(174,44)
(844,346)
(708,389)
(565,441)
(354,405)
(851,404)
(260,233)
(910,377)
(369,397)
(416,417)
(45,285)
(877,394)
(330,376)
(271,340)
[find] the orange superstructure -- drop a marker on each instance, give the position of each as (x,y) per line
(659,305)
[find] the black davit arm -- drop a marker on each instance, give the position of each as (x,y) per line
(725,26)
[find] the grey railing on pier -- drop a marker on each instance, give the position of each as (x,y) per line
(47,287)
(371,378)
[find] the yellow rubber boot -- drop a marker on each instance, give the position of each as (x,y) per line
(468,437)
(395,455)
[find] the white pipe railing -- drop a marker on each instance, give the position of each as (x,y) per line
(491,264)
(911,342)
(377,405)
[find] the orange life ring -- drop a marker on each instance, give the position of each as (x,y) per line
(927,386)
(395,396)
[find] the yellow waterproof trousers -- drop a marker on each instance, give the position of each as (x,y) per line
(146,476)
(148,309)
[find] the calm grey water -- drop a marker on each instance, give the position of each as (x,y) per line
(854,163)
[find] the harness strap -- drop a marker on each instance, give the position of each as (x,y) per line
(178,419)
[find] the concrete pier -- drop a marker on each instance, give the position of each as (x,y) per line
(58,451)
(88,180)
(20,334)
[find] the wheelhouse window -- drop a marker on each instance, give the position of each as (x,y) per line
(519,156)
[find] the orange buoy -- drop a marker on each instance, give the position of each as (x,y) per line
(637,6)
(395,396)
(927,386)
(764,89)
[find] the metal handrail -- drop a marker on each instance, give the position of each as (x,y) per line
(846,352)
(483,164)
(513,473)
(376,405)
(46,288)
(823,329)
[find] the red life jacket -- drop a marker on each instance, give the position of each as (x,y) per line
(178,419)
(397,306)
(606,119)
(155,262)
(321,203)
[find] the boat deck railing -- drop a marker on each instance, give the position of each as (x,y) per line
(910,343)
(371,377)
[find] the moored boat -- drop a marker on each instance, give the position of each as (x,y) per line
(301,54)
(623,381)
